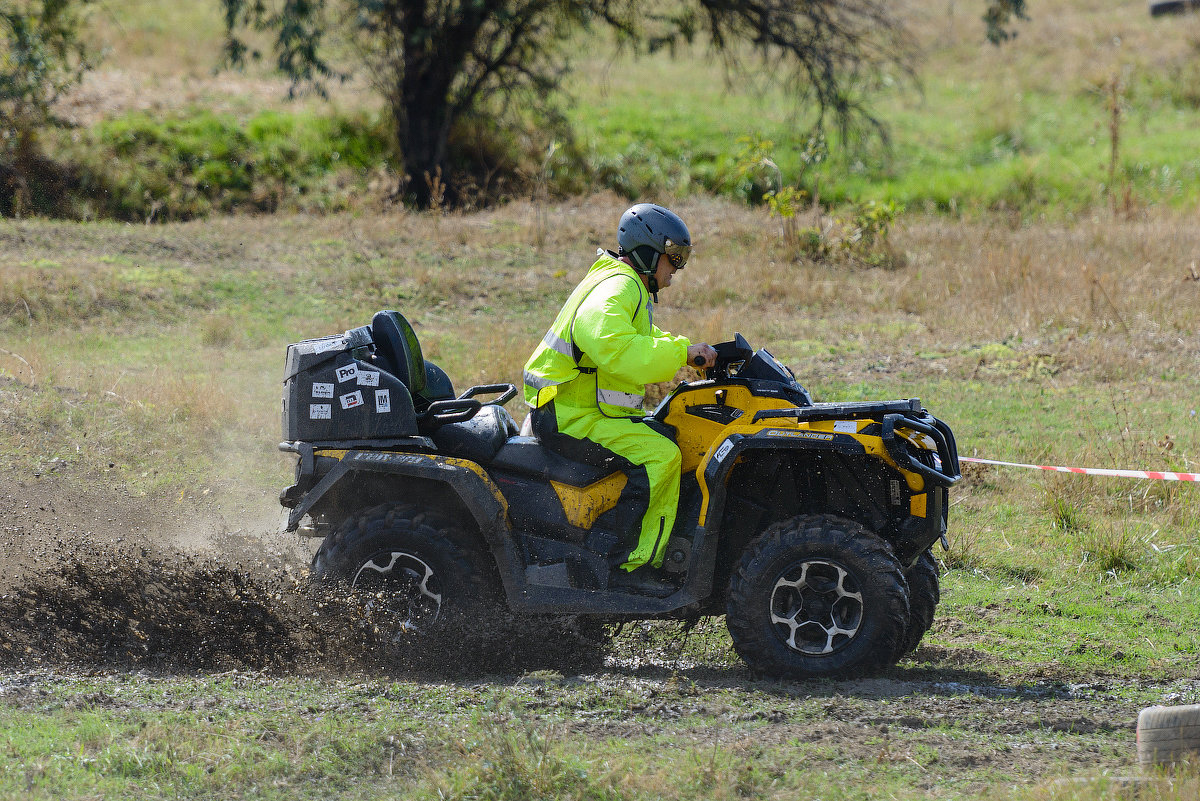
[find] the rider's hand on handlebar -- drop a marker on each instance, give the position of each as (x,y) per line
(701,355)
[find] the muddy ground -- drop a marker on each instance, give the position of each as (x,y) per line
(97,582)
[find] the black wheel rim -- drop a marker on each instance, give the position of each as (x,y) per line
(399,593)
(816,607)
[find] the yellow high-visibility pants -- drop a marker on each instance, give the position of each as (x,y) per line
(644,447)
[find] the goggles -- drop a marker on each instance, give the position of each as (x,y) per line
(677,254)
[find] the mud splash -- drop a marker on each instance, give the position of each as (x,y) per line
(182,614)
(164,614)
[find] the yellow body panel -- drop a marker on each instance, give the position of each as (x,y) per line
(582,505)
(699,438)
(917,505)
(697,435)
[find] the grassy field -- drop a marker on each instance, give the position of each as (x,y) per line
(1094,104)
(1045,319)
(1025,128)
(147,360)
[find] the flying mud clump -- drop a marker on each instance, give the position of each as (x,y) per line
(179,613)
(166,614)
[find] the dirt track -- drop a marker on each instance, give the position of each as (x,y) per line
(100,584)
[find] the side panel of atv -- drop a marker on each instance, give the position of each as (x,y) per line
(753,479)
(345,481)
(759,457)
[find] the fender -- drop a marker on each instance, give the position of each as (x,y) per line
(717,463)
(712,473)
(719,460)
(478,493)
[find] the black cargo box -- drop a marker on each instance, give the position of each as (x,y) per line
(334,390)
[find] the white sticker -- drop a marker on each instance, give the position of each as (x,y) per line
(723,451)
(367,378)
(346,373)
(335,343)
(352,400)
(320,411)
(383,400)
(322,390)
(846,426)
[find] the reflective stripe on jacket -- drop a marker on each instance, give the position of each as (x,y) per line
(603,347)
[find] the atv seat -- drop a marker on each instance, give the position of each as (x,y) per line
(398,351)
(531,457)
(478,439)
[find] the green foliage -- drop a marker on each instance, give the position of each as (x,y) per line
(999,15)
(857,235)
(41,56)
(189,165)
(437,63)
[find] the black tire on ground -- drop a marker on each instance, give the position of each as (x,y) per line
(411,575)
(1159,8)
(1168,734)
(817,596)
(924,594)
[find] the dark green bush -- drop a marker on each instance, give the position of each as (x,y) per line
(186,166)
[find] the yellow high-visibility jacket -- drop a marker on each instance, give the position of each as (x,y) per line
(603,347)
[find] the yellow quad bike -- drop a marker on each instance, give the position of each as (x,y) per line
(808,525)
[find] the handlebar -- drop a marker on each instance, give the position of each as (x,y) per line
(728,354)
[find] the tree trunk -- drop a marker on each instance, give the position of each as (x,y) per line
(423,120)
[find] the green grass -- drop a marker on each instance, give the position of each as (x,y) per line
(195,162)
(1023,129)
(148,358)
(261,737)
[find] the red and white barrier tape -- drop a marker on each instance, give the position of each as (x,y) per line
(1094,471)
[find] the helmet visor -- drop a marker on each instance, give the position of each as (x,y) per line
(678,254)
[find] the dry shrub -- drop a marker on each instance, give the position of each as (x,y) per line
(218,331)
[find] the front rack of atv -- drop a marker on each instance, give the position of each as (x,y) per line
(907,414)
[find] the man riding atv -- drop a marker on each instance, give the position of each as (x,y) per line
(587,377)
(808,526)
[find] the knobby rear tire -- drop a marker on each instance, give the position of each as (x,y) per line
(355,558)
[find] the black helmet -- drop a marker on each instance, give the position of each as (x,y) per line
(646,230)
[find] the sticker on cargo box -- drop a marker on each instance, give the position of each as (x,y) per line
(368,378)
(723,451)
(352,400)
(323,391)
(320,411)
(846,426)
(347,372)
(383,400)
(336,343)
